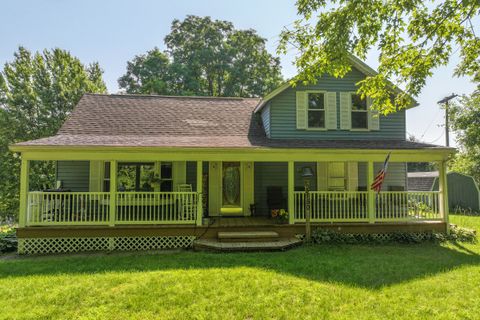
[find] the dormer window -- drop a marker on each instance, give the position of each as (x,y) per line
(359,112)
(316,110)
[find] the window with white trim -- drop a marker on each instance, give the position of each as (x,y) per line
(166,177)
(359,112)
(316,110)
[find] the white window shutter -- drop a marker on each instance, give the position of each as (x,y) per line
(331,110)
(345,111)
(352,176)
(96,176)
(302,106)
(373,117)
(322,178)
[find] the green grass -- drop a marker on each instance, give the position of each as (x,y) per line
(332,282)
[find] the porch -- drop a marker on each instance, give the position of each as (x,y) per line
(340,193)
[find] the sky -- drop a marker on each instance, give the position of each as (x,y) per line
(113,32)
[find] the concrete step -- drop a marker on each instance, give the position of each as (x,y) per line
(217,246)
(248,236)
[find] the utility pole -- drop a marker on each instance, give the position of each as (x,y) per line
(445,102)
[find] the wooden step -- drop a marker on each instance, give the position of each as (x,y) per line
(247,236)
(217,246)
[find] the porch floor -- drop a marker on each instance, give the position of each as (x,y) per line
(239,222)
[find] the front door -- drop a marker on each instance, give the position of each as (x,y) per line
(230,188)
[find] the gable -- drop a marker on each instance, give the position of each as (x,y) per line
(357,66)
(284,113)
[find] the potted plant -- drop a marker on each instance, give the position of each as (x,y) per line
(281,215)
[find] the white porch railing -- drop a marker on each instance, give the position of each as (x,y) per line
(407,206)
(156,207)
(347,206)
(94,208)
(65,208)
(326,206)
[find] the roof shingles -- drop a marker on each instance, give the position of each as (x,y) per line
(163,121)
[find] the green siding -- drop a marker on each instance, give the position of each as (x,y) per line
(74,175)
(396,175)
(192,174)
(283,117)
(462,191)
(266,119)
(268,174)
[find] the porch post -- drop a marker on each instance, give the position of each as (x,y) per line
(290,190)
(199,193)
(113,192)
(443,192)
(24,187)
(371,193)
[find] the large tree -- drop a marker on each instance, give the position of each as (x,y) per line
(205,57)
(148,73)
(37,93)
(413,38)
(465,121)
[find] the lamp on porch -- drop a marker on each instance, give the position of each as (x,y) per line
(307,174)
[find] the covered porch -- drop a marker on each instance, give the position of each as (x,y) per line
(190,188)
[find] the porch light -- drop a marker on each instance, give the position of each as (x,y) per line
(307,173)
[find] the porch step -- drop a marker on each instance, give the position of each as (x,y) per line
(248,236)
(217,246)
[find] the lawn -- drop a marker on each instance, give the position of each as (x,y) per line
(330,282)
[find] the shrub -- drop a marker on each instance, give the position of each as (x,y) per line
(8,239)
(457,234)
(460,234)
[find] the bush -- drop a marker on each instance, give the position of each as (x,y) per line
(460,234)
(457,234)
(8,239)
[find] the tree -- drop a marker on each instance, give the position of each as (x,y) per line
(148,73)
(205,57)
(413,37)
(465,121)
(37,93)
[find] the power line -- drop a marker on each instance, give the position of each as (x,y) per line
(443,133)
(430,124)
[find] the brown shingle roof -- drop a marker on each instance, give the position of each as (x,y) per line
(164,121)
(138,115)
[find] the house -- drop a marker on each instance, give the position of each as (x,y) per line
(140,172)
(463,191)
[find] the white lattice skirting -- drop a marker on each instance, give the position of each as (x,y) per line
(65,245)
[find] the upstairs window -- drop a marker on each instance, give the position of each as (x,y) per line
(359,112)
(316,110)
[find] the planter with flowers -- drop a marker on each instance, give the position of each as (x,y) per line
(280,215)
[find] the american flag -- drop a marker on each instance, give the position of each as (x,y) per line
(377,182)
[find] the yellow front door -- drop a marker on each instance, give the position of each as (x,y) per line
(231,188)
